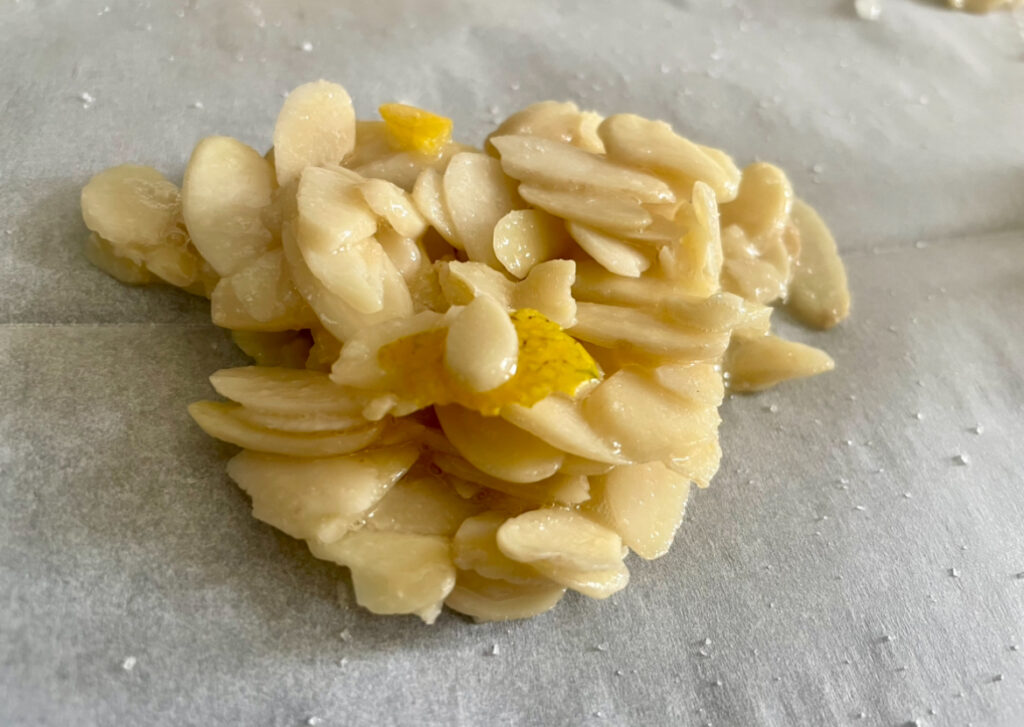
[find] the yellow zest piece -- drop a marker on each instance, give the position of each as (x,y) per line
(413,129)
(550,361)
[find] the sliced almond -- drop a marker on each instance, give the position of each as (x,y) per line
(427,194)
(497,447)
(423,504)
(762,205)
(394,205)
(462,282)
(612,253)
(476,195)
(220,420)
(542,162)
(695,262)
(260,297)
(653,145)
(336,315)
(650,424)
(288,392)
(558,421)
(316,127)
(621,216)
(131,205)
(300,423)
(482,346)
(332,210)
(475,548)
(753,364)
(562,539)
(227,185)
(644,504)
(487,599)
(318,499)
(595,584)
(525,238)
(612,326)
(395,573)
(818,294)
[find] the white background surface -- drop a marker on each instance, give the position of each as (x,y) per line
(121,536)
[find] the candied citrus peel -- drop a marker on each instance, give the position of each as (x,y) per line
(550,361)
(414,129)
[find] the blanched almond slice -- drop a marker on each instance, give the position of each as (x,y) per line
(644,504)
(610,325)
(354,273)
(288,392)
(651,425)
(558,421)
(299,423)
(542,162)
(699,384)
(422,504)
(763,203)
(498,448)
(476,195)
(394,205)
(524,238)
(227,185)
(332,211)
(411,260)
(613,254)
(753,364)
(621,216)
(818,295)
(555,120)
(318,499)
(595,584)
(337,316)
(482,347)
(695,262)
(260,297)
(548,289)
(220,421)
(475,548)
(717,313)
(562,539)
(101,253)
(461,282)
(316,127)
(131,205)
(745,273)
(486,599)
(427,194)
(653,145)
(395,573)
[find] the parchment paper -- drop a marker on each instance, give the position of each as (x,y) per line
(842,569)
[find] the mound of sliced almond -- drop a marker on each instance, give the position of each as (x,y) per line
(481,377)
